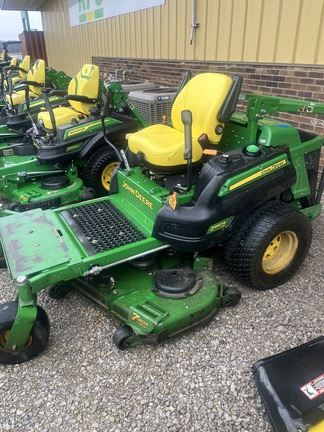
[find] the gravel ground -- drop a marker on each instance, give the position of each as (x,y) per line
(199,382)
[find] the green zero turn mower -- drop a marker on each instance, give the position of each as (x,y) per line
(214,177)
(65,158)
(6,61)
(23,101)
(12,72)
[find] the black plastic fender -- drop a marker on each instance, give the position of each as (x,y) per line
(210,217)
(81,148)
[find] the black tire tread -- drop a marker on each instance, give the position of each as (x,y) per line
(93,168)
(242,247)
(40,334)
(121,335)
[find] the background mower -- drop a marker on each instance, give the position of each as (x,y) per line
(243,180)
(12,74)
(67,145)
(5,59)
(23,101)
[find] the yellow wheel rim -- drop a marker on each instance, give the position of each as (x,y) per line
(107,173)
(280,252)
(4,337)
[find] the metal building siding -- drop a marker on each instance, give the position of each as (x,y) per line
(267,31)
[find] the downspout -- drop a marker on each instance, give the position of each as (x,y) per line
(25,20)
(194,24)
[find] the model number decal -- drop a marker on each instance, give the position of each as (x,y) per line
(140,320)
(219,225)
(138,195)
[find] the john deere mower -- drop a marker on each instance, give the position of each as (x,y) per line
(23,101)
(6,60)
(66,146)
(12,74)
(243,180)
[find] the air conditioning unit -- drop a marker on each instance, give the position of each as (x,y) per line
(129,86)
(154,104)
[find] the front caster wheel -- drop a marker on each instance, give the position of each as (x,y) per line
(121,335)
(58,290)
(13,206)
(36,342)
(230,297)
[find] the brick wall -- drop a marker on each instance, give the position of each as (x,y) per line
(297,82)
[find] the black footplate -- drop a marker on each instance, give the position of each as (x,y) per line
(101,227)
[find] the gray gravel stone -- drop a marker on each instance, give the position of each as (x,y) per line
(199,382)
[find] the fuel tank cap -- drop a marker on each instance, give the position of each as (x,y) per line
(252,150)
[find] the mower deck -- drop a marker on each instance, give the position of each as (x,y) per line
(31,186)
(129,294)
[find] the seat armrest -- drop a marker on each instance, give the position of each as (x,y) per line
(14,68)
(32,83)
(80,98)
(58,92)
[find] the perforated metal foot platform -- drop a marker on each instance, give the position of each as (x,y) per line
(101,227)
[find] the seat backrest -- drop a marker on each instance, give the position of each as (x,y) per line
(37,73)
(14,61)
(85,83)
(203,95)
(25,64)
(11,74)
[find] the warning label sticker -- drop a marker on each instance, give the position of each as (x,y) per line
(314,388)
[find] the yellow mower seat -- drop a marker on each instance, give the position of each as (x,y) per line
(36,74)
(25,65)
(13,62)
(168,146)
(85,83)
(163,146)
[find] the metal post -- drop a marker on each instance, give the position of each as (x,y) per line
(25,20)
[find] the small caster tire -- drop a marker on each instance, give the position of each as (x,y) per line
(58,291)
(36,341)
(13,206)
(3,263)
(231,296)
(121,335)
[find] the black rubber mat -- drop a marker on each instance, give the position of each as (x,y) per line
(101,227)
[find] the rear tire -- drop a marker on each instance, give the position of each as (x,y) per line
(270,246)
(98,170)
